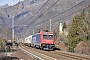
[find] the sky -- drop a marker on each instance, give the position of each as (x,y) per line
(10,2)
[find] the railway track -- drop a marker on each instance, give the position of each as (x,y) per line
(72,55)
(54,55)
(36,54)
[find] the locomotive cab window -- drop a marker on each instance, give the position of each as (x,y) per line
(48,36)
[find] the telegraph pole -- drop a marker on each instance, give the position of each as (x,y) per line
(50,25)
(12,31)
(33,31)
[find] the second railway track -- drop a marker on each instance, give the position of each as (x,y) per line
(72,55)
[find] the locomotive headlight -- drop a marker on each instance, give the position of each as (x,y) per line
(43,42)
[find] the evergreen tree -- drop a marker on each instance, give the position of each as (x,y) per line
(77,32)
(86,18)
(64,25)
(88,22)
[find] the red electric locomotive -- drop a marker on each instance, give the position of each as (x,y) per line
(43,40)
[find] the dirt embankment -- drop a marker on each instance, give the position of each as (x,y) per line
(82,48)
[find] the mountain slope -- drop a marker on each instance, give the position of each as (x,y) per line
(24,10)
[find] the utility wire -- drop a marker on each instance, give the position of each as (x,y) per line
(69,15)
(63,13)
(62,17)
(38,10)
(44,11)
(33,15)
(48,9)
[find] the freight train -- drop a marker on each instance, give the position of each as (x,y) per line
(42,40)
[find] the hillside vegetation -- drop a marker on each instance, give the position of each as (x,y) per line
(79,29)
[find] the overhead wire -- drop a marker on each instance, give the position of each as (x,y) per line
(45,11)
(70,14)
(62,13)
(38,10)
(59,14)
(34,14)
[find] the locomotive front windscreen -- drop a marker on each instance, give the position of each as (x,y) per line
(48,36)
